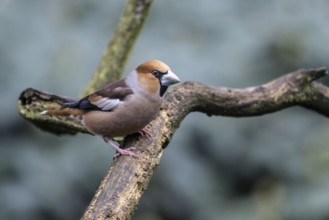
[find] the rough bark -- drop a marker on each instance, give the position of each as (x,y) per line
(127,178)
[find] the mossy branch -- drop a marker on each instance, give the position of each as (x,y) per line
(118,49)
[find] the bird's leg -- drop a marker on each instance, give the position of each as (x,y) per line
(145,132)
(127,151)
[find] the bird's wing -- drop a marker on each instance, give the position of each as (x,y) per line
(106,99)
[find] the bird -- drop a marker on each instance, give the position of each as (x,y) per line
(122,107)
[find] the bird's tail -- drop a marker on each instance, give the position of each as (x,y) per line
(64,112)
(67,109)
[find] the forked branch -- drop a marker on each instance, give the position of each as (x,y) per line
(127,178)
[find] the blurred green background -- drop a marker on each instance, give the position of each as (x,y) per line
(270,167)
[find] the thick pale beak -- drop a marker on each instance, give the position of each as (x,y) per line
(169,79)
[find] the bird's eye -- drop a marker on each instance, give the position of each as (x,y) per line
(156,73)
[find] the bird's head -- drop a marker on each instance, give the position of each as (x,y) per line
(155,75)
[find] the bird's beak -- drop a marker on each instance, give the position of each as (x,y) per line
(169,79)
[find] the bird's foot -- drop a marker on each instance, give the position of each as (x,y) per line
(145,132)
(127,151)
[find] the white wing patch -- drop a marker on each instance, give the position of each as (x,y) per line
(107,104)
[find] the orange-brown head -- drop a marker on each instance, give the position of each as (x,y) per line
(154,75)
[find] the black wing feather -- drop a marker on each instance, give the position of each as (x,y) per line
(81,104)
(117,91)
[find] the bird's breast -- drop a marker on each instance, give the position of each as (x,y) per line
(129,118)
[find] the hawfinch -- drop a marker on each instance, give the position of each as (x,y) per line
(125,106)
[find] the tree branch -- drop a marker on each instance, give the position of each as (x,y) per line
(295,88)
(127,178)
(118,49)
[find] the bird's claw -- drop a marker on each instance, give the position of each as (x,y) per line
(145,132)
(127,151)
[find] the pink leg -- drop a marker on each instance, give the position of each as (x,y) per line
(127,151)
(145,132)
